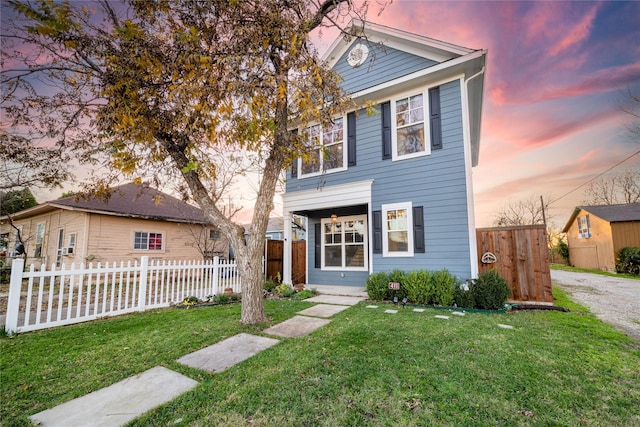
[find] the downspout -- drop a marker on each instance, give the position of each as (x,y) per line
(473,243)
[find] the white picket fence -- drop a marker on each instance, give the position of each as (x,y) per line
(44,298)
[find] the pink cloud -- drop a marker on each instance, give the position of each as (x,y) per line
(577,33)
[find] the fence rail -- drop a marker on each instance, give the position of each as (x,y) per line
(44,298)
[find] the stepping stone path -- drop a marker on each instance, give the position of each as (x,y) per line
(226,353)
(119,403)
(126,400)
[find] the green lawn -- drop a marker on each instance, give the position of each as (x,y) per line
(364,368)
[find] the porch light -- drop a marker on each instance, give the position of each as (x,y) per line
(334,218)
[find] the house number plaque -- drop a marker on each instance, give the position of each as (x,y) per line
(394,285)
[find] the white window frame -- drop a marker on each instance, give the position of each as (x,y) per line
(584,227)
(343,244)
(408,206)
(148,233)
(425,121)
(320,147)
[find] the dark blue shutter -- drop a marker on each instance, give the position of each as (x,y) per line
(435,122)
(377,232)
(294,165)
(351,139)
(318,245)
(386,130)
(418,230)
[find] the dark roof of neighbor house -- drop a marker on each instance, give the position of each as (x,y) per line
(610,213)
(129,200)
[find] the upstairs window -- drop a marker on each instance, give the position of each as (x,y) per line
(145,241)
(326,149)
(584,227)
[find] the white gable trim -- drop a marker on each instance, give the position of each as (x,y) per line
(357,193)
(415,44)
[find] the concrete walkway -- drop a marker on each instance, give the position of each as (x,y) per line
(124,401)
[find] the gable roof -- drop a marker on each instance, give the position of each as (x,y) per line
(610,213)
(129,200)
(451,60)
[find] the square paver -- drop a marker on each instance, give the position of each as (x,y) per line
(226,353)
(119,403)
(323,310)
(297,326)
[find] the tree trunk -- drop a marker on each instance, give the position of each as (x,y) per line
(252,285)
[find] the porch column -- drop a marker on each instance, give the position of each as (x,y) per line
(286,261)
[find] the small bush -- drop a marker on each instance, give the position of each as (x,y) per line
(629,260)
(563,250)
(190,300)
(444,284)
(490,291)
(235,297)
(463,297)
(397,276)
(303,294)
(378,286)
(418,286)
(269,285)
(222,298)
(282,288)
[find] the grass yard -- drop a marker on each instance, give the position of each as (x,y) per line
(364,368)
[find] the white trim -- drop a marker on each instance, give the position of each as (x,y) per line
(468,162)
(408,206)
(321,147)
(343,244)
(356,193)
(424,91)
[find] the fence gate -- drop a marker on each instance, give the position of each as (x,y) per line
(299,262)
(275,252)
(519,254)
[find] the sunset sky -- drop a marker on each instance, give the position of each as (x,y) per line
(556,75)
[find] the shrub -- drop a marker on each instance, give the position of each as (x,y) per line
(303,294)
(418,286)
(378,285)
(563,250)
(397,276)
(190,300)
(629,260)
(444,284)
(222,298)
(463,297)
(269,285)
(490,291)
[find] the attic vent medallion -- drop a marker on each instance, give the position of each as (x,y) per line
(358,55)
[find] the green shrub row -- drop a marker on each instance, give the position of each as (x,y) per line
(489,291)
(629,260)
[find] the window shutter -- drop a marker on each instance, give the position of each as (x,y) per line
(418,230)
(294,165)
(435,121)
(318,245)
(377,232)
(351,139)
(386,130)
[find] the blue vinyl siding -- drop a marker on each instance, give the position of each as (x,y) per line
(436,181)
(382,64)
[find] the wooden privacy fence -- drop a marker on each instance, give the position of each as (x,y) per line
(519,254)
(44,298)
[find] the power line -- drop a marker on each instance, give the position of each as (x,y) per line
(596,177)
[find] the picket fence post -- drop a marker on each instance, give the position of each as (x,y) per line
(142,290)
(13,303)
(216,274)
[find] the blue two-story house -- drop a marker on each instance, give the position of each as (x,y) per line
(390,186)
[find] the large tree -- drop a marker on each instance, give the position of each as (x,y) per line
(160,88)
(529,211)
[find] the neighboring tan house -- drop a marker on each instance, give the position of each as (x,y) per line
(136,220)
(595,234)
(390,184)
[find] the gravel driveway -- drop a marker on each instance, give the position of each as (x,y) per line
(615,300)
